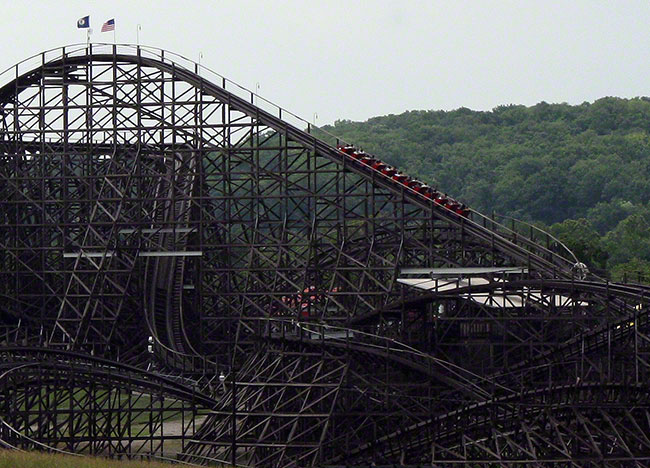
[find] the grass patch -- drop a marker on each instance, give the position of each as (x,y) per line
(14,459)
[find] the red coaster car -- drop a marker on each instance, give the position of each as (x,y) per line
(401,178)
(368,160)
(389,171)
(424,190)
(414,184)
(463,210)
(347,149)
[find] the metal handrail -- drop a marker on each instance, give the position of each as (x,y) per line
(564,252)
(250,102)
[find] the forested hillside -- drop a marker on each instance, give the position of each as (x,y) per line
(582,170)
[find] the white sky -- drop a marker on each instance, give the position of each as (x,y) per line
(357,59)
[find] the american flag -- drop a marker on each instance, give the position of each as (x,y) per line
(108,25)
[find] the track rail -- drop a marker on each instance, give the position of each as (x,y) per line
(520,248)
(292,385)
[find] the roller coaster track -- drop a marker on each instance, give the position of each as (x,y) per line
(166,307)
(634,316)
(606,336)
(262,256)
(514,410)
(63,360)
(519,247)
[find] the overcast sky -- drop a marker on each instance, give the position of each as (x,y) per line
(358,59)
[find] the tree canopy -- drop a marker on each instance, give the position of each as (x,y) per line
(548,163)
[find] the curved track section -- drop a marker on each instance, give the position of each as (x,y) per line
(189,271)
(135,413)
(579,425)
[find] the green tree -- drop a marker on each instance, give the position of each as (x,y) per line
(548,163)
(583,240)
(635,270)
(604,216)
(629,240)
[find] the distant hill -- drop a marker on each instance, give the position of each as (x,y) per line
(548,163)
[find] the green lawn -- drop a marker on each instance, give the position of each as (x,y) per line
(13,459)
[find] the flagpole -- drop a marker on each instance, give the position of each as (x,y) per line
(137,33)
(84,23)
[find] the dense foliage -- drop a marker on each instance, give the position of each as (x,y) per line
(583,170)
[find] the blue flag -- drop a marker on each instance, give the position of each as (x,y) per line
(84,22)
